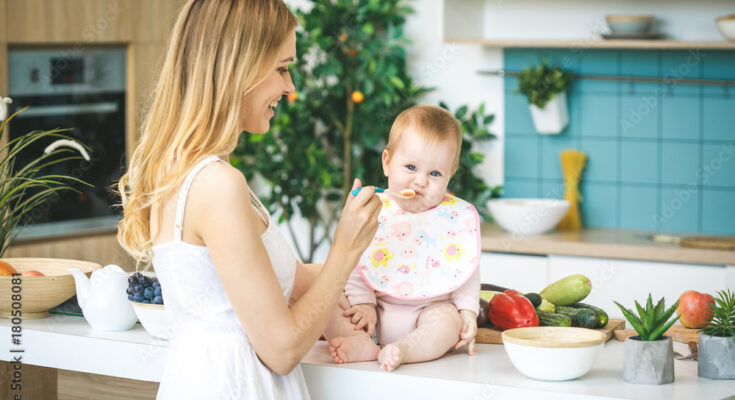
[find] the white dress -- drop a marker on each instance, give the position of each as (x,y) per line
(209,354)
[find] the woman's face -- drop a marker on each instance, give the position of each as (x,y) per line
(256,109)
(422,166)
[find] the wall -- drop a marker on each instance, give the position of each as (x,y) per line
(660,156)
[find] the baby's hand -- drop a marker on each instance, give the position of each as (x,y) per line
(468,332)
(363,316)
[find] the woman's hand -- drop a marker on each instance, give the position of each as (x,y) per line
(358,223)
(363,316)
(468,332)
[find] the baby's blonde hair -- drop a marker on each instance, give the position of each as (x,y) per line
(434,123)
(218,52)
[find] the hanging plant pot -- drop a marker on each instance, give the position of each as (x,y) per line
(554,117)
(716,357)
(650,363)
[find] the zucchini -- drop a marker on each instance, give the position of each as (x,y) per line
(546,306)
(583,318)
(601,314)
(534,298)
(553,319)
(494,288)
(567,291)
(482,317)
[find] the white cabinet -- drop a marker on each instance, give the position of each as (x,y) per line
(525,273)
(626,281)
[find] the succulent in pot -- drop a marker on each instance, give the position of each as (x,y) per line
(545,86)
(649,357)
(717,339)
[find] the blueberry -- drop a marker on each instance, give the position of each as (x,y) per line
(146,301)
(156,284)
(131,297)
(157,300)
(138,289)
(132,280)
(148,293)
(137,275)
(138,298)
(157,291)
(145,281)
(130,290)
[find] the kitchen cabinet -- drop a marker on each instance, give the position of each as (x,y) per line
(526,273)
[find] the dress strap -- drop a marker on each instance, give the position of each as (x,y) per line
(184,193)
(260,209)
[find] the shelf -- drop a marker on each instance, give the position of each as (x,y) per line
(599,44)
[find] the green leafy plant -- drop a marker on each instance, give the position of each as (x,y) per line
(351,81)
(540,83)
(24,188)
(651,321)
(722,315)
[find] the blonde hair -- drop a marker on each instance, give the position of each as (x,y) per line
(433,123)
(218,53)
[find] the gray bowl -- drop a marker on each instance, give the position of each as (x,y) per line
(629,23)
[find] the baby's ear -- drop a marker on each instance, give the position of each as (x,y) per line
(386,160)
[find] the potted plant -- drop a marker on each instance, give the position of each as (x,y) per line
(717,339)
(649,357)
(546,89)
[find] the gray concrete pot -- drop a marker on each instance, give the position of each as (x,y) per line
(650,363)
(716,357)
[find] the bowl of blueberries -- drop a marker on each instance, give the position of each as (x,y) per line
(145,293)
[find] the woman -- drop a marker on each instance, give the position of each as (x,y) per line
(226,273)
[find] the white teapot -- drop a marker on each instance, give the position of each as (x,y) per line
(103,300)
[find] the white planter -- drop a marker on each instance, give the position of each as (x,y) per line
(554,117)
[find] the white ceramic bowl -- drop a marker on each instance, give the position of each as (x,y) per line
(553,353)
(153,319)
(527,216)
(726,25)
(629,23)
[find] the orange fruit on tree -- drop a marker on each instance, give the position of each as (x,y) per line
(293,96)
(357,97)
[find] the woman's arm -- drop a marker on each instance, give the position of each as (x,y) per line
(281,336)
(305,275)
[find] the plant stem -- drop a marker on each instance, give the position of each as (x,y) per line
(347,151)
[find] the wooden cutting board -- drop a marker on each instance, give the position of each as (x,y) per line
(677,333)
(493,336)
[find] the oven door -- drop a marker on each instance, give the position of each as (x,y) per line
(98,121)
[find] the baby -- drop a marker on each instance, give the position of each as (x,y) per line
(418,281)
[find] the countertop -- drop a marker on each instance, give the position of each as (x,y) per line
(67,342)
(600,242)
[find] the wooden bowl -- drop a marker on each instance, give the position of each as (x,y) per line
(38,294)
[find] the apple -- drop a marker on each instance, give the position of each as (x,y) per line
(33,272)
(7,269)
(692,309)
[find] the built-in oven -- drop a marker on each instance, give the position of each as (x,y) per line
(83,90)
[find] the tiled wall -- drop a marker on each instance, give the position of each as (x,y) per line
(661,156)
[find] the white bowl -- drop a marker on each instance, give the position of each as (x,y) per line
(726,25)
(527,216)
(553,353)
(153,318)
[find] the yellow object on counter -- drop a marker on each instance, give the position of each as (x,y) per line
(572,165)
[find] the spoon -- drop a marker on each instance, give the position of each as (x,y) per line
(403,193)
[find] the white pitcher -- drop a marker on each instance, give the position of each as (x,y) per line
(103,300)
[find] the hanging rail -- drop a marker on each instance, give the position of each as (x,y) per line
(630,79)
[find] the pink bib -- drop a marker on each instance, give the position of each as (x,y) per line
(422,255)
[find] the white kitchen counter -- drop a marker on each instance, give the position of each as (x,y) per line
(67,342)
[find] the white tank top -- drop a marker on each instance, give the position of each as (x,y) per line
(209,354)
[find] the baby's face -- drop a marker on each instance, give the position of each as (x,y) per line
(422,166)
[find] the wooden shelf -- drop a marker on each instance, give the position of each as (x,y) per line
(598,44)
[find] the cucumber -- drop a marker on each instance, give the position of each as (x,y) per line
(583,318)
(567,291)
(546,306)
(494,288)
(482,317)
(534,298)
(553,319)
(601,314)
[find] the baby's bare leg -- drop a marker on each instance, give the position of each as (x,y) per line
(345,343)
(437,331)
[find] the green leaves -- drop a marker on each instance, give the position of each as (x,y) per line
(722,314)
(542,82)
(651,321)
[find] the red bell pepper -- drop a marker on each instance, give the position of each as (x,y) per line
(511,309)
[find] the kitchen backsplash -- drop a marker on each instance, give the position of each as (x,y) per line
(661,156)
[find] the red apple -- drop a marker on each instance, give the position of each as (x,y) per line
(6,269)
(33,272)
(693,309)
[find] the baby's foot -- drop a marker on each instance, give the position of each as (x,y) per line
(391,357)
(353,348)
